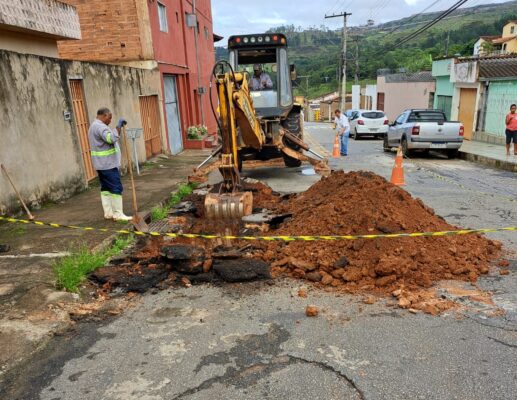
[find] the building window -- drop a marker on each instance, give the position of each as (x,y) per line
(162,16)
(504,47)
(512,29)
(206,33)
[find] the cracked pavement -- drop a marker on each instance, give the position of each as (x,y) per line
(253,341)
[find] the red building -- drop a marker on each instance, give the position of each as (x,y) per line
(171,36)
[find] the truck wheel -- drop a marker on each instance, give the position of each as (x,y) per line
(405,149)
(385,146)
(293,124)
(452,153)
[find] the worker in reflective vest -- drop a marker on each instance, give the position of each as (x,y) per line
(105,153)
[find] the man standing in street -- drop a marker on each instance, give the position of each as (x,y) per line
(511,130)
(105,152)
(343,128)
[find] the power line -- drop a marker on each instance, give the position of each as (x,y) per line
(416,15)
(420,30)
(430,24)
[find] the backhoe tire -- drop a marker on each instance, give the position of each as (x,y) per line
(294,125)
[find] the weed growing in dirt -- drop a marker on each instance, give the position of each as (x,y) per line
(70,271)
(183,191)
(160,212)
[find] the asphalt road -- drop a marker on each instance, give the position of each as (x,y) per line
(253,341)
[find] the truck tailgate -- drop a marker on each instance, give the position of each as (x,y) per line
(435,132)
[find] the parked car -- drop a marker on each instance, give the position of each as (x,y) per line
(368,123)
(424,130)
(350,114)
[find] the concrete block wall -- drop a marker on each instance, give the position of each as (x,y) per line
(111,32)
(50,17)
(38,146)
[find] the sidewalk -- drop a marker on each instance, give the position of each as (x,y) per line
(493,155)
(28,316)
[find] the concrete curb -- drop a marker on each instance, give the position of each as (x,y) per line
(491,162)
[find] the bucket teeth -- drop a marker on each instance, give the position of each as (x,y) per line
(228,206)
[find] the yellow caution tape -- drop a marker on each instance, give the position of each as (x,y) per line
(283,238)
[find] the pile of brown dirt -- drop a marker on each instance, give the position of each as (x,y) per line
(364,203)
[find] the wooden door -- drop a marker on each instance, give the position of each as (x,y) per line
(82,123)
(467,110)
(150,115)
(380,101)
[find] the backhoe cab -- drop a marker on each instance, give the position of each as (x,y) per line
(257,118)
(263,59)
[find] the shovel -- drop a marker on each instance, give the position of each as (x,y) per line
(29,215)
(137,221)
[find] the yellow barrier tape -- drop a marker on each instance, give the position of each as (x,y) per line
(283,238)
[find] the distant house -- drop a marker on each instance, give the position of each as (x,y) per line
(398,92)
(494,45)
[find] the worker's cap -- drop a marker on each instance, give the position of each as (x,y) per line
(256,67)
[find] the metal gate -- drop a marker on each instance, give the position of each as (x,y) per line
(151,124)
(444,103)
(172,113)
(82,124)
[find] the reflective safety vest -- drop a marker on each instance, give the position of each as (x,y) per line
(104,147)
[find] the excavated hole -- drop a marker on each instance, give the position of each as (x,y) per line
(342,204)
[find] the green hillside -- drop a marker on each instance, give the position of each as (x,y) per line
(316,51)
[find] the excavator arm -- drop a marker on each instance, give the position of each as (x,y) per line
(240,127)
(238,124)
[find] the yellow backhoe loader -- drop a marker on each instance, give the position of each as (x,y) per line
(257,118)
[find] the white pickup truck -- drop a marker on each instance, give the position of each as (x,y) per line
(424,130)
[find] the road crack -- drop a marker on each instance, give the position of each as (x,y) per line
(502,342)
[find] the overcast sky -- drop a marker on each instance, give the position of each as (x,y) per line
(248,16)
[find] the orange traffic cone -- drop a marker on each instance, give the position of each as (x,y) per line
(336,152)
(397,174)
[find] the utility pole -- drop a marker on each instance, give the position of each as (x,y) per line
(447,43)
(342,89)
(357,60)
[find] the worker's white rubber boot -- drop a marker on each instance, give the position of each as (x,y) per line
(118,214)
(106,205)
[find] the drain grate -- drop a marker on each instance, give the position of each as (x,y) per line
(160,226)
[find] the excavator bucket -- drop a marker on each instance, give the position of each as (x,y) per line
(228,205)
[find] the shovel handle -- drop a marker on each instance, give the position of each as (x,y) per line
(31,217)
(130,166)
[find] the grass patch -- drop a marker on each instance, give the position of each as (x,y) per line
(18,230)
(70,271)
(160,212)
(183,191)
